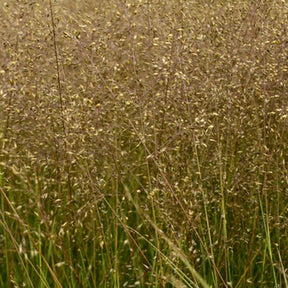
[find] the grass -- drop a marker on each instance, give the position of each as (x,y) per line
(143,144)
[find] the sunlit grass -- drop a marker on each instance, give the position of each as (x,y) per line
(143,144)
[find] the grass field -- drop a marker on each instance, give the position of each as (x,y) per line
(144,143)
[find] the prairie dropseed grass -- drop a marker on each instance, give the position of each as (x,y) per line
(143,144)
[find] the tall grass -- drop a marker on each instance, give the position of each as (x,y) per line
(143,144)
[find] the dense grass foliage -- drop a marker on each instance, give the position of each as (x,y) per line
(143,143)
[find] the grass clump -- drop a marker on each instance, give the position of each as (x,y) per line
(143,144)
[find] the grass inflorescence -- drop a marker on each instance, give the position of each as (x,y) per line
(143,143)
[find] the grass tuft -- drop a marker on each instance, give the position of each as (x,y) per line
(143,144)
